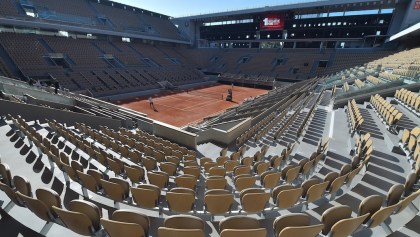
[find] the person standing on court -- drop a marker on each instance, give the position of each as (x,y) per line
(56,87)
(152,106)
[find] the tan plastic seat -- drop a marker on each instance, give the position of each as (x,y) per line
(254,199)
(171,232)
(126,223)
(276,161)
(146,195)
(333,215)
(204,160)
(208,165)
(190,163)
(336,185)
(184,222)
(50,198)
(407,201)
(288,198)
(410,181)
(117,189)
(192,170)
(247,161)
(186,181)
(285,170)
(244,181)
(270,179)
(5,174)
(218,201)
(290,220)
(381,215)
(230,165)
(316,191)
(260,167)
(181,199)
(330,177)
(307,231)
(239,222)
(87,181)
(135,173)
(370,205)
(307,169)
(11,194)
(116,165)
(217,171)
(149,163)
(394,194)
(70,171)
(22,185)
(216,182)
(221,160)
(158,178)
(292,174)
(260,232)
(82,217)
(39,208)
(173,159)
(169,168)
(241,169)
(346,227)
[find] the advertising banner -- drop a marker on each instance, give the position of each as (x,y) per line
(273,22)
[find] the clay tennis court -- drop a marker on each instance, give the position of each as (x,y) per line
(182,108)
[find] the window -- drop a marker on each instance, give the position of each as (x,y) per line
(125,39)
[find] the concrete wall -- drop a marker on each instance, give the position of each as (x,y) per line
(225,133)
(17,90)
(175,134)
(386,91)
(189,28)
(34,112)
(412,16)
(145,124)
(398,18)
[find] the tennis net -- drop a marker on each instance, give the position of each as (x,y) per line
(218,96)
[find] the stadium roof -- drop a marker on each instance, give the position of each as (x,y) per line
(303,6)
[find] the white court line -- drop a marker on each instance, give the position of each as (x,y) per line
(200,104)
(332,124)
(187,109)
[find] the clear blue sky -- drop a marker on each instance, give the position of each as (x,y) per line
(178,8)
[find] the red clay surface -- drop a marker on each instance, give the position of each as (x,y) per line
(182,108)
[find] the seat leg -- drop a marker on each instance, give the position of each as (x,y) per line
(46,228)
(9,206)
(386,228)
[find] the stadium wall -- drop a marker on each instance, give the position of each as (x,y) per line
(175,134)
(70,118)
(225,133)
(412,14)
